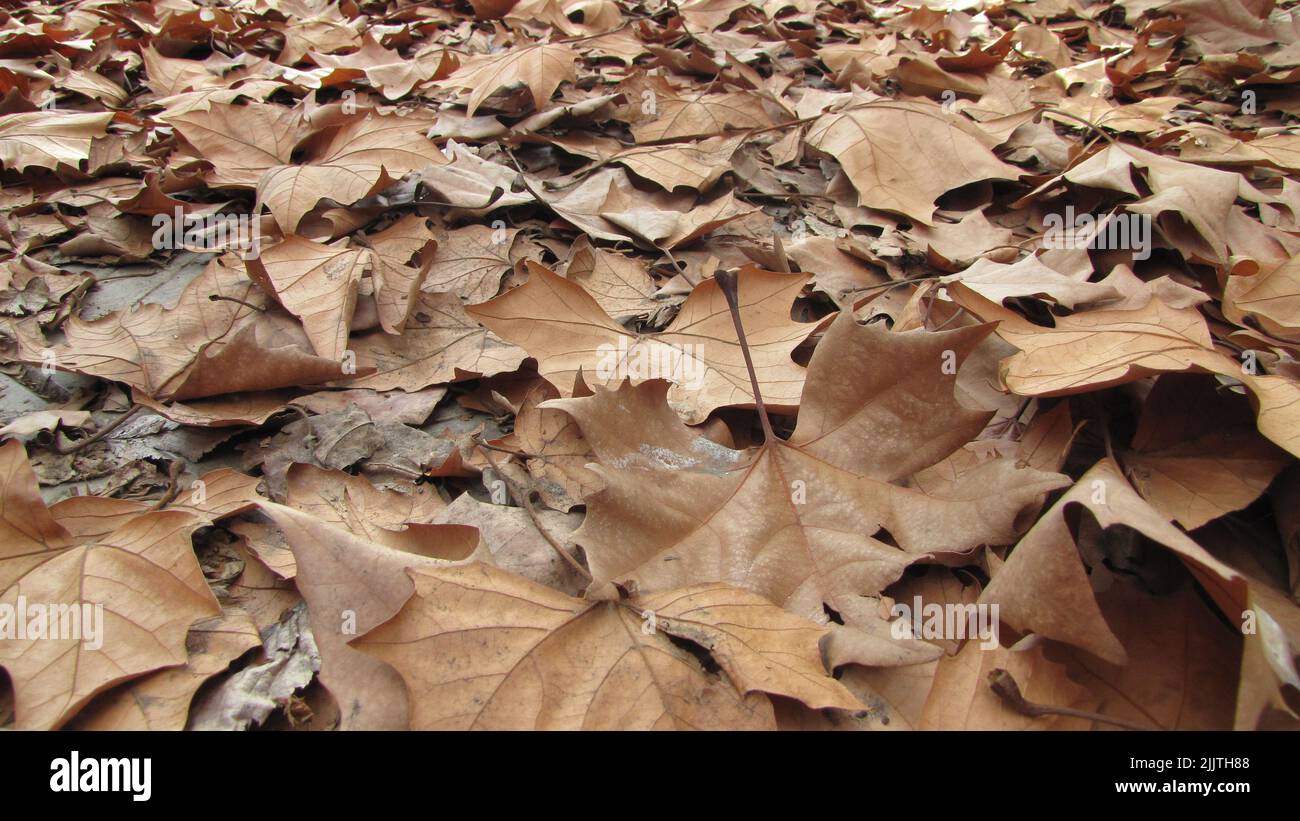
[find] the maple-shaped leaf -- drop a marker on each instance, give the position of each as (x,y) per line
(169,75)
(567,331)
(1133,640)
(557,455)
(362,157)
(1203,197)
(225,492)
(48,139)
(801,522)
(439,344)
(480,648)
(606,205)
(517,540)
(471,261)
(1029,276)
(1043,587)
(351,585)
(241,142)
(161,700)
(353,503)
(84,614)
(902,156)
(662,227)
(620,284)
(1210,145)
(540,66)
(1095,349)
(690,165)
(217,339)
(1270,297)
(1195,455)
(316,283)
(386,69)
(679,115)
(396,281)
(468,181)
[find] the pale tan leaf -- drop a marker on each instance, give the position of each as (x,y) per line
(316,283)
(889,152)
(48,138)
(699,351)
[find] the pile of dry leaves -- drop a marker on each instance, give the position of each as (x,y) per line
(376,364)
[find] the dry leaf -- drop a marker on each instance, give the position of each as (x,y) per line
(85,615)
(888,151)
(542,660)
(541,67)
(698,352)
(677,506)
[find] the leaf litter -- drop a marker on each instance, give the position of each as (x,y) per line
(625,365)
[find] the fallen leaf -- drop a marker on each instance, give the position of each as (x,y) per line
(543,660)
(698,352)
(887,150)
(678,506)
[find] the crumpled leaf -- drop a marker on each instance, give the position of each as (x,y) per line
(370,694)
(161,700)
(316,283)
(361,158)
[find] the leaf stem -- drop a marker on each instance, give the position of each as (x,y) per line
(105,431)
(728,283)
(522,498)
(1004,685)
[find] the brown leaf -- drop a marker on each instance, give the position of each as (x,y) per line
(619,284)
(679,507)
(1095,349)
(557,453)
(678,115)
(540,66)
(48,139)
(699,351)
(540,660)
(187,352)
(241,142)
(998,282)
(689,165)
(396,281)
(330,562)
(361,158)
(1196,454)
(316,283)
(161,700)
(93,613)
(516,542)
(1043,587)
(471,261)
(888,150)
(960,698)
(439,344)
